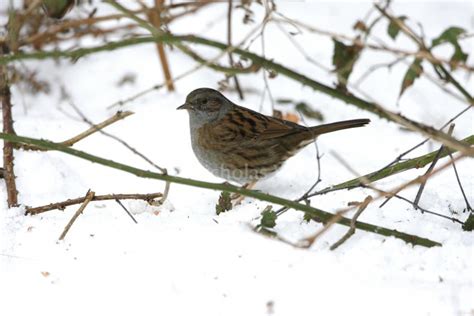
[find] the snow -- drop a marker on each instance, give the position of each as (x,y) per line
(183,259)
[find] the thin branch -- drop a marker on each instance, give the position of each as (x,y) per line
(126,211)
(420,179)
(311,188)
(229,43)
(468,206)
(93,129)
(89,196)
(166,191)
(427,139)
(8,157)
(63,204)
(352,229)
(155,20)
(430,168)
(230,71)
(121,141)
(375,67)
(310,211)
(309,241)
(423,210)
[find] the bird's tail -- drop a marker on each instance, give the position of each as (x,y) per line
(332,127)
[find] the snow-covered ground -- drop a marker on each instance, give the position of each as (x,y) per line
(183,259)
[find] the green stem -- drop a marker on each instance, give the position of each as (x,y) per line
(314,213)
(418,162)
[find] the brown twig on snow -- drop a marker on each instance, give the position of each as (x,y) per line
(93,129)
(96,128)
(309,241)
(62,205)
(351,231)
(89,196)
(8,157)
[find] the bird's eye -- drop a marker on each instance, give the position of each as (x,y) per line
(204,101)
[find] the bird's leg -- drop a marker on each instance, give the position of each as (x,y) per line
(237,198)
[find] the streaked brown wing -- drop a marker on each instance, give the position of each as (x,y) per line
(243,125)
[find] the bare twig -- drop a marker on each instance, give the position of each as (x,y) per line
(8,157)
(121,141)
(165,195)
(399,157)
(375,67)
(129,147)
(309,241)
(352,229)
(420,179)
(455,220)
(89,196)
(93,129)
(430,168)
(63,204)
(126,211)
(229,43)
(155,20)
(311,188)
(468,206)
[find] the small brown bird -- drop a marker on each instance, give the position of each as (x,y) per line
(242,145)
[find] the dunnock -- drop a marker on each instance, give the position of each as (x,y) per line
(242,145)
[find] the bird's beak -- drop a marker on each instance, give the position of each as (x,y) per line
(186,106)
